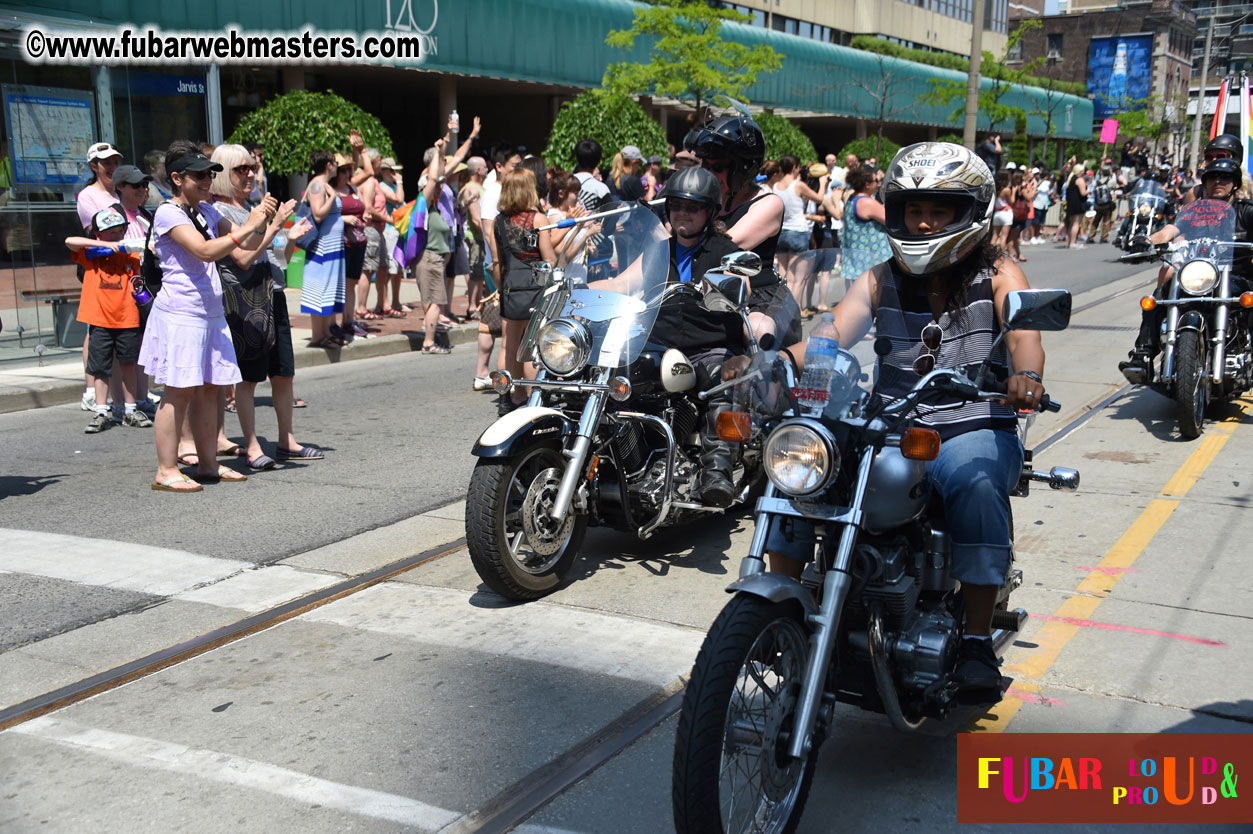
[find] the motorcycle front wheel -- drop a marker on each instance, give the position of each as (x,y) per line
(732,774)
(1191,386)
(518,550)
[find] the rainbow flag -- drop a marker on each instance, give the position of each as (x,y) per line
(1220,109)
(410,221)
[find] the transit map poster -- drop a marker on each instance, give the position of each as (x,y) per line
(1119,70)
(50,130)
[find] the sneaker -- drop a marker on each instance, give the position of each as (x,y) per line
(147,407)
(1077,246)
(137,420)
(482,383)
(978,670)
(99,422)
(88,402)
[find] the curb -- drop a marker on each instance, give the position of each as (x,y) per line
(63,392)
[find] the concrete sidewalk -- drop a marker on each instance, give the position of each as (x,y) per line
(32,385)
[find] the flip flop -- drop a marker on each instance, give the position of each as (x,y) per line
(230,406)
(262,462)
(220,477)
(304,453)
(189,459)
(232,451)
(168,486)
(299,403)
(436,350)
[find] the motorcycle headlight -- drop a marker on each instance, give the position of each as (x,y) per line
(564,346)
(801,457)
(1145,209)
(1198,277)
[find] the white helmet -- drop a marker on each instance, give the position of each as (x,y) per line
(939,172)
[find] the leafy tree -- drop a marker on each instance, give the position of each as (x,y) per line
(299,122)
(884,150)
(1019,153)
(689,59)
(992,112)
(1139,119)
(883,89)
(613,120)
(783,137)
(1053,98)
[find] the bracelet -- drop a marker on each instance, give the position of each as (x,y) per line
(1032,375)
(234,239)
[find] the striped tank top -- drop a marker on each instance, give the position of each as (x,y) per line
(903,311)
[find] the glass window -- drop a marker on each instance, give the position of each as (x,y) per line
(1055,44)
(778,22)
(805,29)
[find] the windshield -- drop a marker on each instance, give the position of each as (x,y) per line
(1206,227)
(1148,194)
(615,286)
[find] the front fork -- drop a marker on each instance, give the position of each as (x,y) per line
(1218,369)
(577,454)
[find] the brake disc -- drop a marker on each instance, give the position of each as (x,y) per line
(544,534)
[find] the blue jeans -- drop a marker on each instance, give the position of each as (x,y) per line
(974,473)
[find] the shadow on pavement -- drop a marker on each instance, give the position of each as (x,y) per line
(15,485)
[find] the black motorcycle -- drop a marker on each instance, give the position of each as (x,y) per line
(1147,215)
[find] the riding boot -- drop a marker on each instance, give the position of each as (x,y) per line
(716,462)
(1138,367)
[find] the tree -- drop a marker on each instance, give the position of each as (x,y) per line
(1004,78)
(1019,153)
(297,123)
(689,59)
(870,147)
(883,89)
(1053,99)
(783,137)
(611,119)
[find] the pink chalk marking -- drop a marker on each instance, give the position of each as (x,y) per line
(1109,571)
(1093,624)
(1033,698)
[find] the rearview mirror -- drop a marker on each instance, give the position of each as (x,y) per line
(746,264)
(725,293)
(1036,310)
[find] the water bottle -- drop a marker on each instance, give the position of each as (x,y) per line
(455,122)
(280,240)
(821,356)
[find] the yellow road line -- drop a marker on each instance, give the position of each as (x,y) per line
(1054,634)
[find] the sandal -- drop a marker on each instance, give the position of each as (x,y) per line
(436,350)
(262,462)
(222,477)
(299,403)
(232,451)
(390,313)
(168,486)
(189,459)
(405,308)
(304,453)
(329,343)
(368,315)
(230,405)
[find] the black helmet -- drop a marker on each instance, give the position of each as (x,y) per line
(695,184)
(737,139)
(1225,142)
(1229,167)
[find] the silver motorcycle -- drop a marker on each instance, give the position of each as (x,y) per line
(874,621)
(610,434)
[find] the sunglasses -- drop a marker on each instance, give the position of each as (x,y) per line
(932,336)
(245,170)
(198,176)
(1210,156)
(142,184)
(717,166)
(685,206)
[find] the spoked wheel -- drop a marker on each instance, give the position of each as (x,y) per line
(517,548)
(1191,386)
(732,774)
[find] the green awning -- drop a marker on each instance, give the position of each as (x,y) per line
(562,42)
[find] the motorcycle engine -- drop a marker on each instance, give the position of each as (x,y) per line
(890,587)
(926,651)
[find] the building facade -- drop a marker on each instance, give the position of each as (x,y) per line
(514,62)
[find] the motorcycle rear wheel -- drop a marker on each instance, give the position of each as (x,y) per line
(731,771)
(516,549)
(1191,385)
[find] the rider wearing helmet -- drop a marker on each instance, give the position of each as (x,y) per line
(733,148)
(698,243)
(1222,146)
(938,201)
(1221,180)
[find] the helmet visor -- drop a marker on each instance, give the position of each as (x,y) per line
(917,215)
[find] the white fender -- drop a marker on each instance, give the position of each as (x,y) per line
(677,374)
(507,426)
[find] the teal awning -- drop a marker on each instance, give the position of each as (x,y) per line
(562,42)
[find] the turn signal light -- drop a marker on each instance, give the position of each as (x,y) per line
(591,470)
(734,426)
(920,444)
(502,381)
(620,388)
(1148,303)
(1246,299)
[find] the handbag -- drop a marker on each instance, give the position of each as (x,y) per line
(489,313)
(310,238)
(249,305)
(354,235)
(1022,209)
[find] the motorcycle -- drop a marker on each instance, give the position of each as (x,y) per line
(1207,347)
(875,619)
(1147,215)
(610,434)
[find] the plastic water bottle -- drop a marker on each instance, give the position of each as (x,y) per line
(821,356)
(280,240)
(455,122)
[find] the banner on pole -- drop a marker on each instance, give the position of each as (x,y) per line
(1109,131)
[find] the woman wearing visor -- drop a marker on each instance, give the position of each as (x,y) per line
(187,344)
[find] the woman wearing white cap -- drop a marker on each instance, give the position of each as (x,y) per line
(100,193)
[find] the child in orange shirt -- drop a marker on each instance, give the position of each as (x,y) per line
(108,306)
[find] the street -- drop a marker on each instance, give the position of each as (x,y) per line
(416,700)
